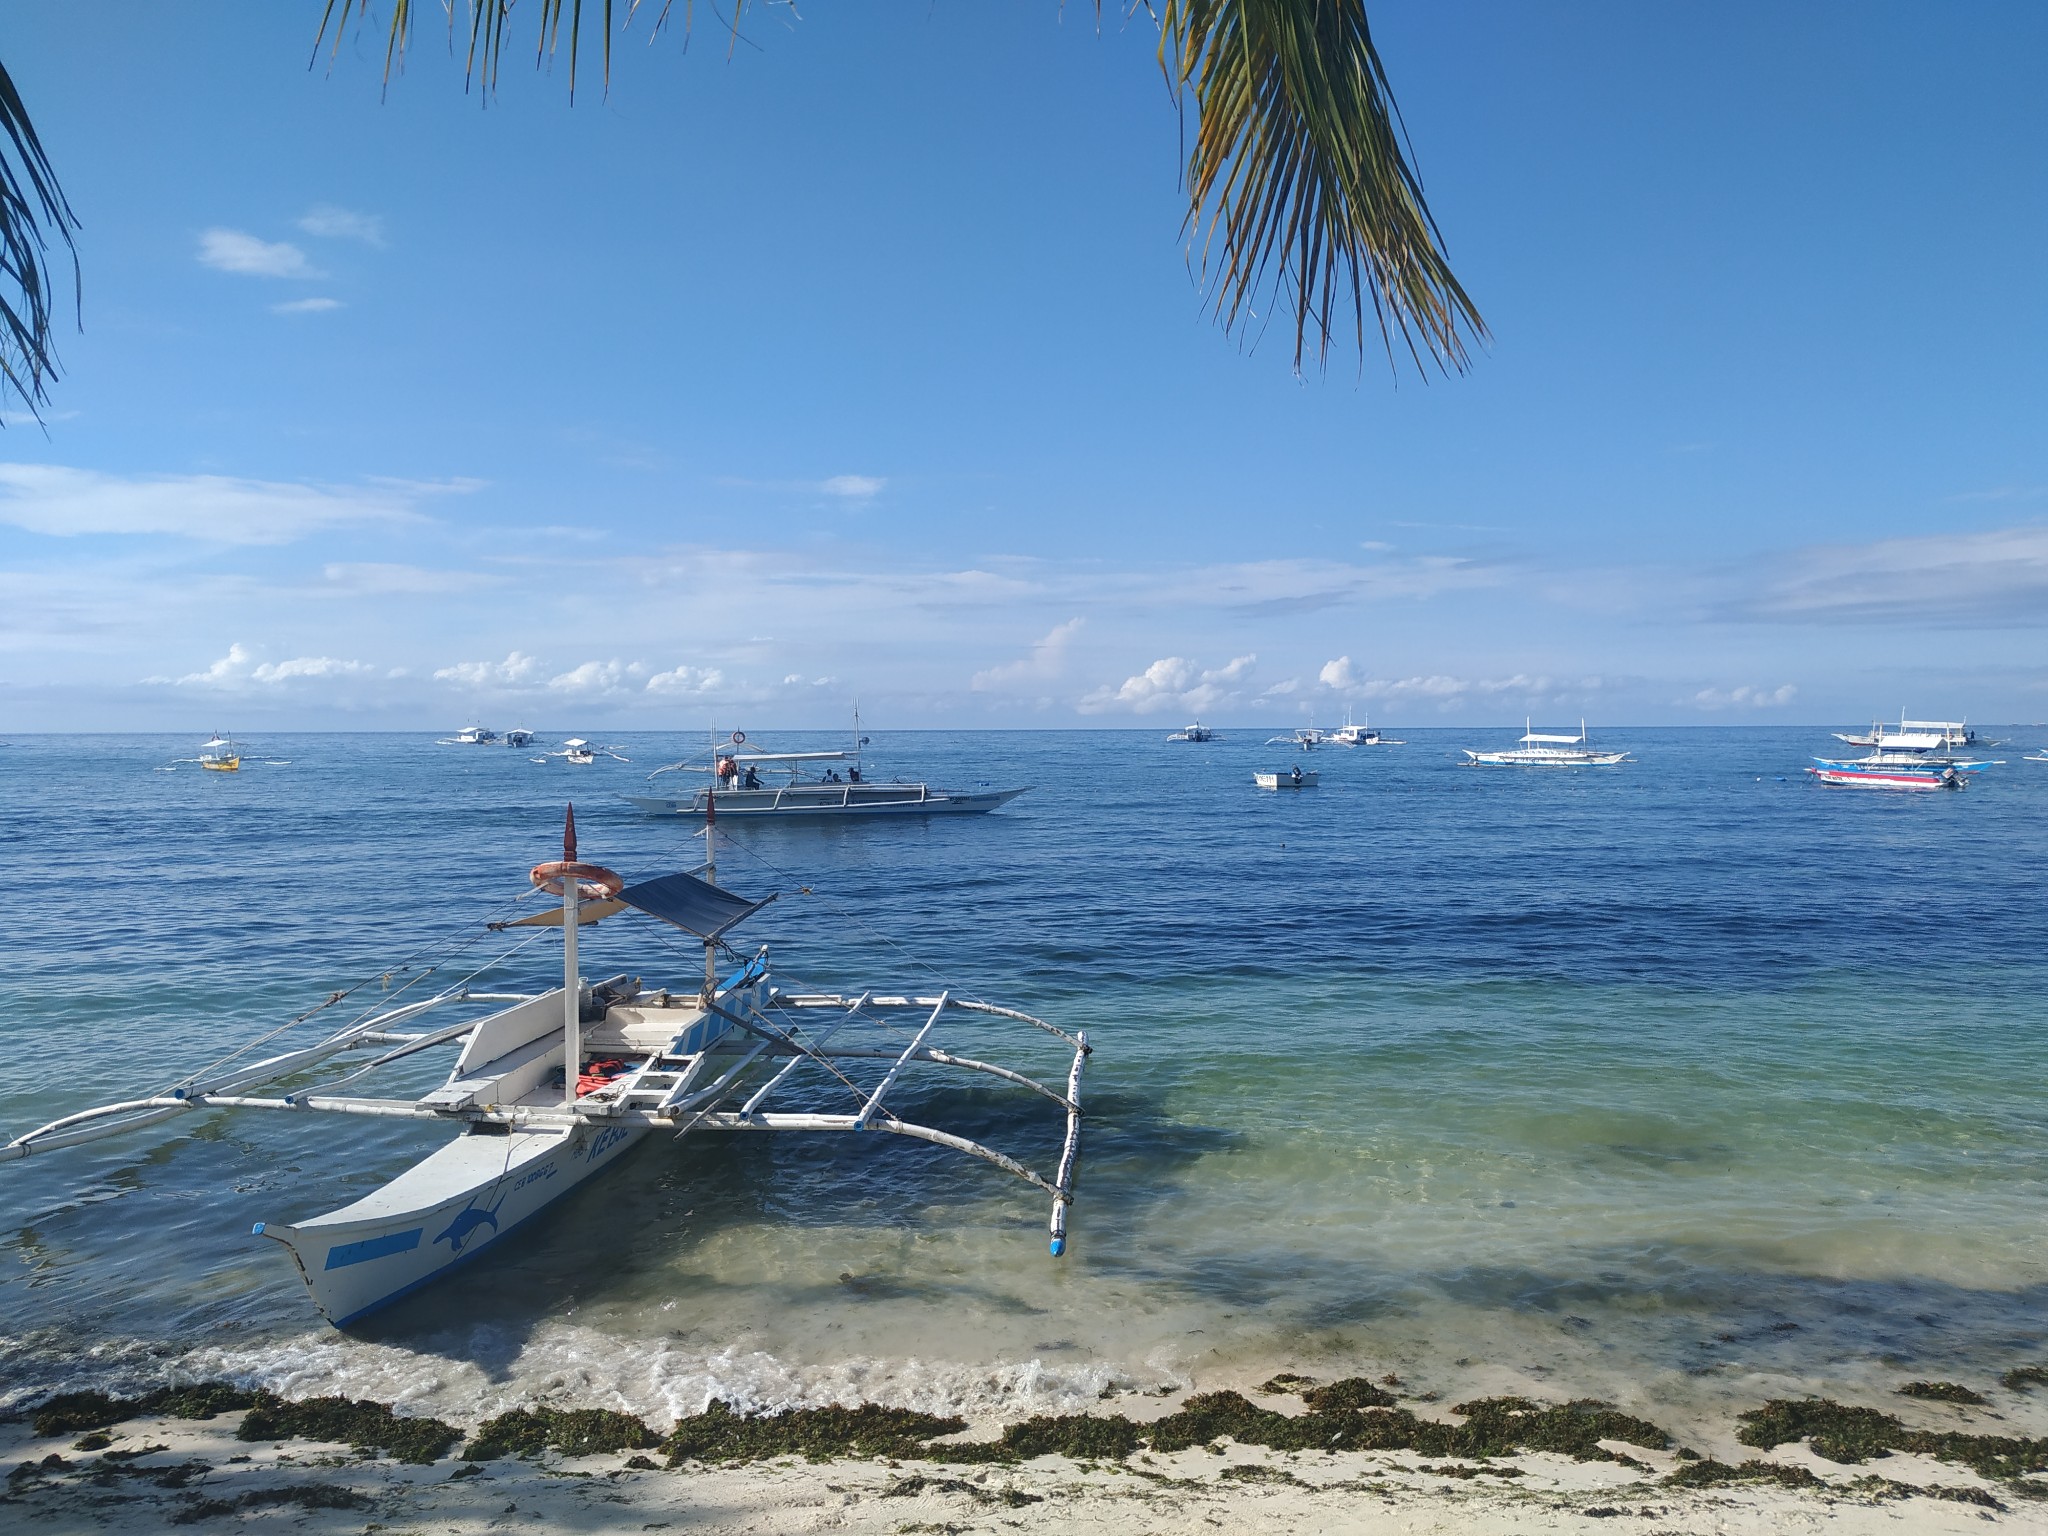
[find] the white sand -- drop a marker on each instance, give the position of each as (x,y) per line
(1194,1491)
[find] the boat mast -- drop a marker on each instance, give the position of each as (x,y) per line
(711,875)
(572,983)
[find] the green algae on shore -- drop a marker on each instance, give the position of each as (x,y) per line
(1851,1435)
(1944,1392)
(571,1431)
(355,1422)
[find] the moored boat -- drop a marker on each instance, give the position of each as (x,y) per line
(471,736)
(551,1088)
(1295,778)
(1857,776)
(1197,732)
(1361,735)
(747,782)
(1538,750)
(221,755)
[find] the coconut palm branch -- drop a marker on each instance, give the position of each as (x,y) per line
(32,213)
(1298,183)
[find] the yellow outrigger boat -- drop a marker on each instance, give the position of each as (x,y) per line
(221,755)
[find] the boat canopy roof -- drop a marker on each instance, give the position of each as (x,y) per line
(693,905)
(1562,741)
(1912,741)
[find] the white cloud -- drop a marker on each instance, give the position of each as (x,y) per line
(1172,682)
(305,306)
(853,487)
(516,668)
(1744,697)
(232,250)
(1991,579)
(52,499)
(1338,674)
(1046,659)
(331,223)
(382,579)
(240,668)
(690,680)
(596,678)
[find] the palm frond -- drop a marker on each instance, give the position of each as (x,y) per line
(32,211)
(1297,181)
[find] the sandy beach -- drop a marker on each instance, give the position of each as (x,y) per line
(149,1473)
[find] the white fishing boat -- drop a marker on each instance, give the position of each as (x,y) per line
(1916,736)
(1307,739)
(745,781)
(519,736)
(1361,735)
(1547,751)
(1860,776)
(1196,732)
(551,1088)
(1293,778)
(470,736)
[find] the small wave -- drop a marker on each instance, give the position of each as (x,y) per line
(468,1375)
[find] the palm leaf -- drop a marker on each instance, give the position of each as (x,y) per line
(32,210)
(1297,184)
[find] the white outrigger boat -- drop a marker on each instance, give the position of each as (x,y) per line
(1916,736)
(1361,735)
(1540,751)
(1197,732)
(748,782)
(470,736)
(706,1058)
(1307,739)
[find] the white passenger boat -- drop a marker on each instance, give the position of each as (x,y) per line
(1540,751)
(549,1089)
(1361,735)
(471,736)
(1294,778)
(744,781)
(1195,732)
(1916,736)
(519,736)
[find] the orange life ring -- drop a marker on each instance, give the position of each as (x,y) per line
(593,881)
(739,738)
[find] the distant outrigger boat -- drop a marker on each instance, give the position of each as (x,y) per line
(1540,751)
(221,755)
(1361,735)
(1306,739)
(1916,736)
(470,736)
(794,787)
(519,736)
(554,1087)
(1197,732)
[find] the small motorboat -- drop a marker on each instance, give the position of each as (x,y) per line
(1859,776)
(1293,778)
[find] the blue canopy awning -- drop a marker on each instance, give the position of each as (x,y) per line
(693,905)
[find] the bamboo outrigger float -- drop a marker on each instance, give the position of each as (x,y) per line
(706,1059)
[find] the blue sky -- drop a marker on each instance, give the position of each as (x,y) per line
(865,363)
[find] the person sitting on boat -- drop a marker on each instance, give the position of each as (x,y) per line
(1297,775)
(831,775)
(752,780)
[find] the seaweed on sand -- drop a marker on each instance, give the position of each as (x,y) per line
(572,1431)
(1943,1392)
(1286,1381)
(69,1412)
(1850,1435)
(2020,1377)
(1713,1474)
(309,1499)
(1352,1392)
(355,1422)
(817,1434)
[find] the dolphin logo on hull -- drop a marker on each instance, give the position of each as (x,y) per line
(464,1226)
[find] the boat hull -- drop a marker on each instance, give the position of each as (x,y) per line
(1543,760)
(1843,778)
(460,1202)
(1285,780)
(836,802)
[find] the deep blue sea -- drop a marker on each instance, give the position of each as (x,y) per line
(1680,1081)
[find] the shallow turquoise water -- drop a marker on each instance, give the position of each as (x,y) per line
(1675,1080)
